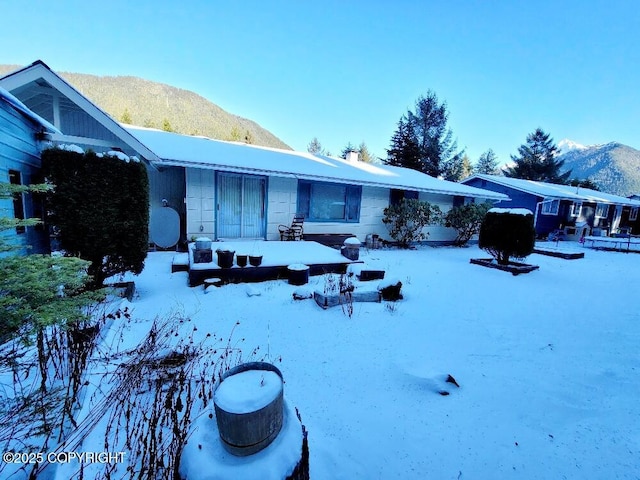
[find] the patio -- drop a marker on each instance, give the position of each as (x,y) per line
(276,257)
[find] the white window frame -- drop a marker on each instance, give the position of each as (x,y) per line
(633,214)
(599,212)
(576,209)
(550,207)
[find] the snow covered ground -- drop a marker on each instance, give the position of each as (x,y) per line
(547,363)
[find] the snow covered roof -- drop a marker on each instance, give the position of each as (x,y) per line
(550,191)
(21,108)
(201,152)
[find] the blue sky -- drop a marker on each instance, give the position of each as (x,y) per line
(345,71)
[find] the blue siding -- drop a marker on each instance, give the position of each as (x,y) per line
(519,199)
(19,151)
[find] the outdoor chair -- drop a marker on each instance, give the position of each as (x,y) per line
(293,232)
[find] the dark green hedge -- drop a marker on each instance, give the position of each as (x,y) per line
(506,235)
(100,209)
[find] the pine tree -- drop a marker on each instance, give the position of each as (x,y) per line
(315,146)
(537,160)
(126,117)
(365,154)
(487,163)
(349,148)
(234,136)
(423,142)
(467,167)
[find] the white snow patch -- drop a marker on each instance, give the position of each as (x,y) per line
(512,211)
(70,147)
(248,391)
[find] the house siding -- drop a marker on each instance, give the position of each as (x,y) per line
(283,203)
(19,151)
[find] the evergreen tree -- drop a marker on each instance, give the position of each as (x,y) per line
(349,148)
(365,154)
(487,163)
(537,160)
(315,146)
(166,126)
(423,142)
(126,117)
(234,136)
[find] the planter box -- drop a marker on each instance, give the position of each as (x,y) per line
(202,256)
(559,254)
(331,300)
(516,268)
(366,275)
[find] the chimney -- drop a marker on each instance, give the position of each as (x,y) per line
(352,156)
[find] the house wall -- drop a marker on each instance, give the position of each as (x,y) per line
(20,151)
(282,205)
(168,183)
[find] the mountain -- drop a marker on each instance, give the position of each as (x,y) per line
(145,103)
(614,167)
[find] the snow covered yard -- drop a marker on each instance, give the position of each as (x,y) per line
(547,363)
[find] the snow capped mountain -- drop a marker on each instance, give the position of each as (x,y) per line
(565,145)
(614,167)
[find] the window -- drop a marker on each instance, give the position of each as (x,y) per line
(329,202)
(18,200)
(550,207)
(633,214)
(396,196)
(602,210)
(576,208)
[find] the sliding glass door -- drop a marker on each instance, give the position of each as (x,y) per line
(241,208)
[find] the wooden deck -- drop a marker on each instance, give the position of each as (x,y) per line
(276,257)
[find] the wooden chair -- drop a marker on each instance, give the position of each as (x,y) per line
(293,232)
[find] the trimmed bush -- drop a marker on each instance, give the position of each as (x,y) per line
(407,219)
(100,209)
(466,220)
(507,233)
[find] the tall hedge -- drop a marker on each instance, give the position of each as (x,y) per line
(507,233)
(99,207)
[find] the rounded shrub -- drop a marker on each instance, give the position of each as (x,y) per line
(507,233)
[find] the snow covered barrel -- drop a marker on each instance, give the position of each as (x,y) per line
(298,274)
(351,248)
(249,407)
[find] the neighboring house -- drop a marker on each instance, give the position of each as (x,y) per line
(234,190)
(229,190)
(575,210)
(21,141)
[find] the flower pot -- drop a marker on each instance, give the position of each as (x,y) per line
(225,258)
(241,260)
(255,260)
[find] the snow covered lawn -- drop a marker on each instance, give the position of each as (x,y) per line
(547,363)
